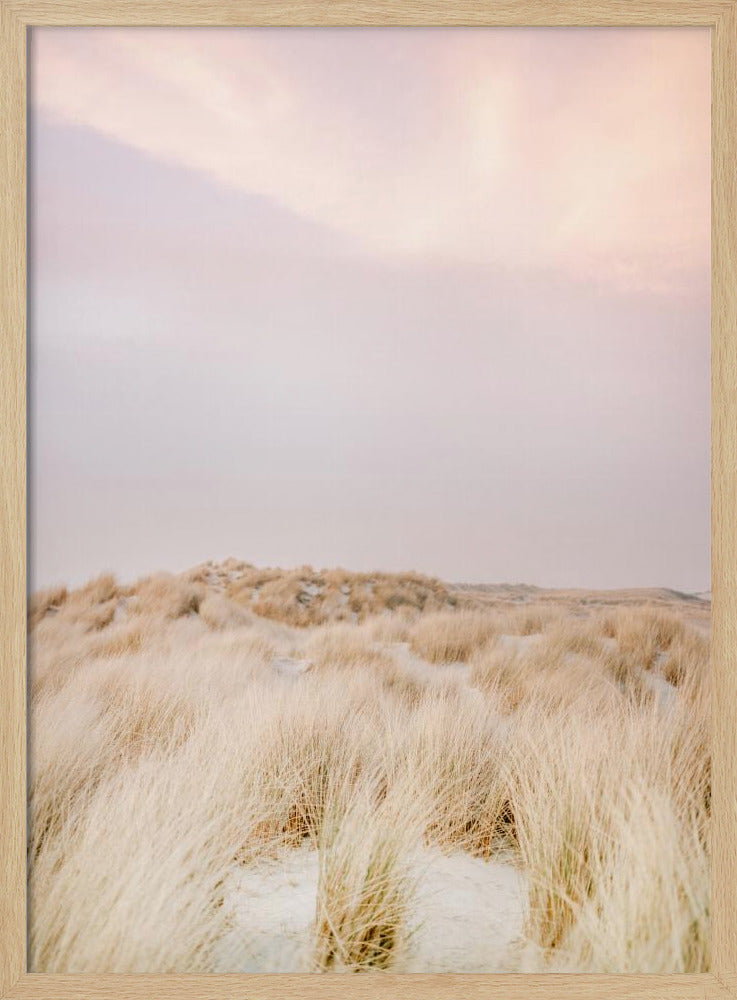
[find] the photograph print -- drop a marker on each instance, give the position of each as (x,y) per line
(369,500)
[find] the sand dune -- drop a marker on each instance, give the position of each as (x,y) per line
(238,769)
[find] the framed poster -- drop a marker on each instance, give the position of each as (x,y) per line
(379,405)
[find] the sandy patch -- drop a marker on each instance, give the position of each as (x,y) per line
(403,654)
(666,695)
(272,911)
(519,643)
(290,666)
(121,610)
(468,915)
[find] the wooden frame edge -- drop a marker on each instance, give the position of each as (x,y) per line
(12,501)
(15,17)
(361,13)
(336,987)
(724,497)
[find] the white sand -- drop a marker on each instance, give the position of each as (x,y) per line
(519,643)
(468,915)
(273,908)
(422,668)
(666,694)
(289,666)
(121,610)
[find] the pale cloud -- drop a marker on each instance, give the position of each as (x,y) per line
(584,151)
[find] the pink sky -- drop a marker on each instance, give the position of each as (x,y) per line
(396,298)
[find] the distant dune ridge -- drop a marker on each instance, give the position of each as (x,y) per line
(243,769)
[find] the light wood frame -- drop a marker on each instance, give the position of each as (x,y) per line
(16,16)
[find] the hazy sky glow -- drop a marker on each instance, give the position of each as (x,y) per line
(384,298)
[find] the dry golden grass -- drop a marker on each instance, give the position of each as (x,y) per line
(164,595)
(182,737)
(343,646)
(643,632)
(41,603)
(366,884)
(143,862)
(688,659)
(451,636)
(600,899)
(91,607)
(458,759)
(126,637)
(221,613)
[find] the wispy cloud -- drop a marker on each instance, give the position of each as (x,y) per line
(584,151)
